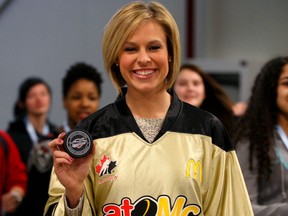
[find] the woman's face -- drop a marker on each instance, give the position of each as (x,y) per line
(282,93)
(38,100)
(143,59)
(189,87)
(82,100)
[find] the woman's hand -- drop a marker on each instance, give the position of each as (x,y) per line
(71,172)
(12,199)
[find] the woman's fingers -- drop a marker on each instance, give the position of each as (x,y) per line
(56,144)
(61,135)
(61,157)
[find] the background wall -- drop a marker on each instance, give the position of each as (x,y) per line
(238,37)
(251,29)
(44,38)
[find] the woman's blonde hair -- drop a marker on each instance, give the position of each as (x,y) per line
(123,24)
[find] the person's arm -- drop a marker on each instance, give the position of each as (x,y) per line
(67,188)
(251,182)
(58,205)
(12,199)
(74,211)
(17,175)
(16,181)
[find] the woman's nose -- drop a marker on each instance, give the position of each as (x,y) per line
(191,87)
(84,101)
(143,57)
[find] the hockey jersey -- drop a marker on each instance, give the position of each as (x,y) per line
(189,169)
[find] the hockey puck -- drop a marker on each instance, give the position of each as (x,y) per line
(78,143)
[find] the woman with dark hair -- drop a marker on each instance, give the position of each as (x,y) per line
(31,130)
(81,91)
(199,89)
(262,143)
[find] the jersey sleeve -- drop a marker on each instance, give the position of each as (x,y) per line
(227,194)
(56,204)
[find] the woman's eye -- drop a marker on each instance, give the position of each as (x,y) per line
(93,98)
(154,47)
(129,49)
(183,84)
(75,97)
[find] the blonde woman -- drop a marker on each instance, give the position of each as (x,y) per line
(153,155)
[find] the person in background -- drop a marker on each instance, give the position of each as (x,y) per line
(13,177)
(153,154)
(31,130)
(199,89)
(262,140)
(81,90)
(239,108)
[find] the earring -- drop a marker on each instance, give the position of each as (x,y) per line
(169,59)
(117,64)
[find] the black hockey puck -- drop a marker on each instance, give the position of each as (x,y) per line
(78,143)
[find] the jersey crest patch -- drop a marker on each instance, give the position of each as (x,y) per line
(105,166)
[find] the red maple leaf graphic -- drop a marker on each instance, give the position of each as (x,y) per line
(98,168)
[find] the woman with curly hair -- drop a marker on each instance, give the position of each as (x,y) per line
(262,143)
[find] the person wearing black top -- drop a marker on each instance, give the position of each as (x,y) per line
(31,130)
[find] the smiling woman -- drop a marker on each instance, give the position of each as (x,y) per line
(143,61)
(81,91)
(152,153)
(196,87)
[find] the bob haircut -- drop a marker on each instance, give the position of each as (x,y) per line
(124,23)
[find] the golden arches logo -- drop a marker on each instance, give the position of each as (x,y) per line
(195,168)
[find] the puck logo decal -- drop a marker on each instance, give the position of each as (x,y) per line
(78,143)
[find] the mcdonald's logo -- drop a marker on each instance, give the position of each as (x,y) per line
(194,169)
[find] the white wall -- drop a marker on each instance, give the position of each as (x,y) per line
(44,38)
(250,29)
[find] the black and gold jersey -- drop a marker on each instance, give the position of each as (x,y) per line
(189,169)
